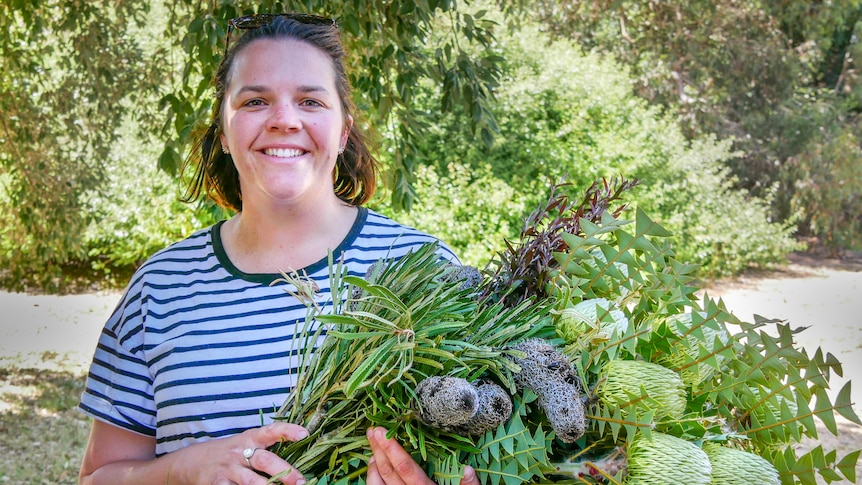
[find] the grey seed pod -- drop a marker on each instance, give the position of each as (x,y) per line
(551,376)
(446,402)
(371,274)
(374,271)
(495,408)
(469,276)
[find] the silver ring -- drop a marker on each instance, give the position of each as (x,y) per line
(247,454)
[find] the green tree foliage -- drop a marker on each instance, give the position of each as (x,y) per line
(745,71)
(137,219)
(69,71)
(88,92)
(73,73)
(564,114)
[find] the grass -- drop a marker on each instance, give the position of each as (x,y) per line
(41,434)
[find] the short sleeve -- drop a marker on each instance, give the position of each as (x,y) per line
(119,388)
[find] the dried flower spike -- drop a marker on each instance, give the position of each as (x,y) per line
(551,376)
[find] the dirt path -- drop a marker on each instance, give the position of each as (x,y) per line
(826,297)
(43,329)
(823,295)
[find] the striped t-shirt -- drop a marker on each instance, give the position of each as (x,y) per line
(197,349)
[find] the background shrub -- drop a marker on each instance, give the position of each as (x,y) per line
(137,211)
(574,115)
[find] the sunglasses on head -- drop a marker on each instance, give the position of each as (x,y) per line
(250,22)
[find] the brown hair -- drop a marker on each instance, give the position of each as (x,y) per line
(355,176)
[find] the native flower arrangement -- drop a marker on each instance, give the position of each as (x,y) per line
(581,356)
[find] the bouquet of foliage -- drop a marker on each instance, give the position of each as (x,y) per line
(581,355)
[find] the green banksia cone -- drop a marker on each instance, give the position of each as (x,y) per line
(597,313)
(550,375)
(625,377)
(686,351)
(737,467)
(666,460)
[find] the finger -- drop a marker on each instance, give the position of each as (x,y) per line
(379,466)
(394,464)
(279,430)
(469,477)
(254,477)
(272,464)
(373,476)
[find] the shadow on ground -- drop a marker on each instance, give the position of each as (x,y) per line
(41,434)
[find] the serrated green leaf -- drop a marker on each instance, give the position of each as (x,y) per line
(844,404)
(824,410)
(803,469)
(510,474)
(645,225)
(805,416)
(847,465)
(494,446)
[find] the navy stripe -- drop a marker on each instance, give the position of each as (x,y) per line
(126,424)
(223,345)
(278,391)
(210,416)
(225,317)
(117,371)
(125,389)
(228,330)
(117,403)
(200,435)
(216,305)
(222,378)
(166,272)
(191,283)
(235,360)
(113,352)
(131,333)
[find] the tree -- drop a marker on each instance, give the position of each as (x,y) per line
(566,114)
(69,72)
(746,71)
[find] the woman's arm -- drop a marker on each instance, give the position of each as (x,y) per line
(116,455)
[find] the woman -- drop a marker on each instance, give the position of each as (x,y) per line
(198,353)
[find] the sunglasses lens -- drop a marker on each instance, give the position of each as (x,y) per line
(250,22)
(255,21)
(311,19)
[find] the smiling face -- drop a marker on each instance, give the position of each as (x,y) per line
(283,123)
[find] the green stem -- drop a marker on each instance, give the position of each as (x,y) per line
(619,421)
(794,419)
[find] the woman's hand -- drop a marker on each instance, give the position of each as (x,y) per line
(115,455)
(244,455)
(390,464)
